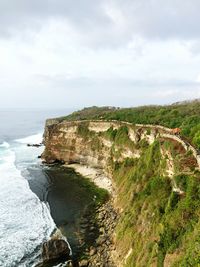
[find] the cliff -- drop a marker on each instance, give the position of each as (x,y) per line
(156,177)
(88,142)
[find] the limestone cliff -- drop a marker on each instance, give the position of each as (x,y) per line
(86,142)
(151,169)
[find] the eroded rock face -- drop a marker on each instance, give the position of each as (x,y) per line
(55,249)
(82,142)
(63,143)
(67,142)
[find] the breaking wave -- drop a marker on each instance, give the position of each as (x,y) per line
(25,221)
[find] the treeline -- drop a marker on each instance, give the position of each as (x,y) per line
(183,115)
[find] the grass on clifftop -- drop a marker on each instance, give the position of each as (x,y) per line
(184,115)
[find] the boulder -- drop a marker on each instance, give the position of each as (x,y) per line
(35,145)
(55,250)
(93,251)
(83,263)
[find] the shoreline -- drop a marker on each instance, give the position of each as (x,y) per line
(95,175)
(101,253)
(65,192)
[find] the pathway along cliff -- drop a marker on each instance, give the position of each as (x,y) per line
(153,172)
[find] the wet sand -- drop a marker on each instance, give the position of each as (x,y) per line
(95,175)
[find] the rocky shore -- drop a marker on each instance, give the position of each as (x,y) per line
(97,230)
(98,248)
(100,252)
(101,225)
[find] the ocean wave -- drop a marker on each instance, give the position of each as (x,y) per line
(5,145)
(33,139)
(25,221)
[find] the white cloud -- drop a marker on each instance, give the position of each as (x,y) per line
(70,53)
(166,93)
(198,78)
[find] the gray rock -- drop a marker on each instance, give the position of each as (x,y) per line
(55,249)
(101,240)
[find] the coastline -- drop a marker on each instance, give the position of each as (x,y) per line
(88,227)
(95,175)
(102,252)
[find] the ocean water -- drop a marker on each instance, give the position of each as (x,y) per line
(25,220)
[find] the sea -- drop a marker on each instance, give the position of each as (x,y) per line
(25,214)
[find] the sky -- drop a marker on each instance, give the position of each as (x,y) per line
(78,53)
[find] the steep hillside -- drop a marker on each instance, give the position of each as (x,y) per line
(157,181)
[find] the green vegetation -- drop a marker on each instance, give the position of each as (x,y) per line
(89,136)
(184,115)
(119,137)
(87,113)
(94,194)
(83,130)
(101,195)
(156,221)
(111,133)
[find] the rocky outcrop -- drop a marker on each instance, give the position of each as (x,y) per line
(55,249)
(100,252)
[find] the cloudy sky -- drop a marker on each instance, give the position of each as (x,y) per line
(75,53)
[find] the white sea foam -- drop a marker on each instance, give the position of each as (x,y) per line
(25,222)
(33,139)
(4,144)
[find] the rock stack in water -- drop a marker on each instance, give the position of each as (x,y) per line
(55,250)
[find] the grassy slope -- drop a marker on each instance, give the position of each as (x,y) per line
(155,220)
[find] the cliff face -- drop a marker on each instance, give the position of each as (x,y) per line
(151,169)
(89,142)
(67,142)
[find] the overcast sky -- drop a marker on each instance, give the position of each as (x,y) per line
(76,53)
